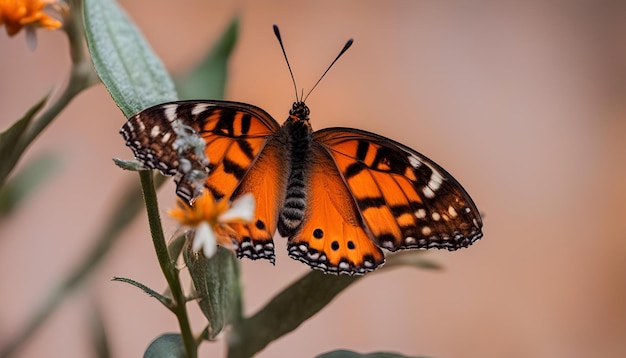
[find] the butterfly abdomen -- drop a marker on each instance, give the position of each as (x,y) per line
(298,145)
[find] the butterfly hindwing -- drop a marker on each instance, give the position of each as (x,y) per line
(331,237)
(266,180)
(405,199)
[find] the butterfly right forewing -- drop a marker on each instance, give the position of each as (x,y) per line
(405,199)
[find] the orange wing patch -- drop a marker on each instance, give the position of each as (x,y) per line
(332,238)
(266,180)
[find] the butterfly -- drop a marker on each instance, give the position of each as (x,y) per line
(339,195)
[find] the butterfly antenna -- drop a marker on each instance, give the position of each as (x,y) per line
(343,50)
(280,41)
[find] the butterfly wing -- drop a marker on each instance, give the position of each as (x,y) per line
(404,199)
(266,180)
(234,136)
(332,237)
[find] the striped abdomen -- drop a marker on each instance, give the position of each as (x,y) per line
(299,143)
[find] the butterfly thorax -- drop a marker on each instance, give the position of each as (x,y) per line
(297,130)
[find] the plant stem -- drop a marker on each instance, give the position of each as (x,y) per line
(168,265)
(82,76)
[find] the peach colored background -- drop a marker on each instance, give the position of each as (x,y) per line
(524,104)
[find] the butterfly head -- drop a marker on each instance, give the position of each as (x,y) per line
(299,112)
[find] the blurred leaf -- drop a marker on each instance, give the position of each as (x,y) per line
(98,334)
(23,183)
(133,74)
(286,311)
(10,138)
(350,354)
(175,247)
(168,345)
(413,258)
(208,78)
(129,204)
(166,301)
(214,280)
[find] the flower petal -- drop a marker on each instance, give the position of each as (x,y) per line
(242,209)
(204,238)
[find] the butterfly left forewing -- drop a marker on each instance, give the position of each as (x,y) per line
(405,199)
(233,137)
(187,138)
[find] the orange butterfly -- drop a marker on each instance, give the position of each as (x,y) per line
(338,194)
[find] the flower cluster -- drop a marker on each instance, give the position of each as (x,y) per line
(210,219)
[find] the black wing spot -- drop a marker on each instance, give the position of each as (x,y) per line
(318,233)
(334,246)
(351,245)
(260,225)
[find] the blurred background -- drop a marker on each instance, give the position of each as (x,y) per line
(524,103)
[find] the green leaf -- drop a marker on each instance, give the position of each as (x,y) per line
(133,74)
(22,184)
(166,301)
(208,78)
(215,281)
(131,165)
(286,311)
(10,138)
(168,345)
(350,354)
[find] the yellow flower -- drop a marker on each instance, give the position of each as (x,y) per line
(210,220)
(15,14)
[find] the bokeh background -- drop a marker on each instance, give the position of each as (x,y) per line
(524,102)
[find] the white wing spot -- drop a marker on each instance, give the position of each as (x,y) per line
(428,192)
(170,112)
(452,212)
(414,161)
(435,180)
(166,137)
(426,230)
(410,240)
(155,131)
(436,216)
(420,213)
(142,127)
(199,108)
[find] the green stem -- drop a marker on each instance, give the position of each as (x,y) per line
(168,266)
(82,76)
